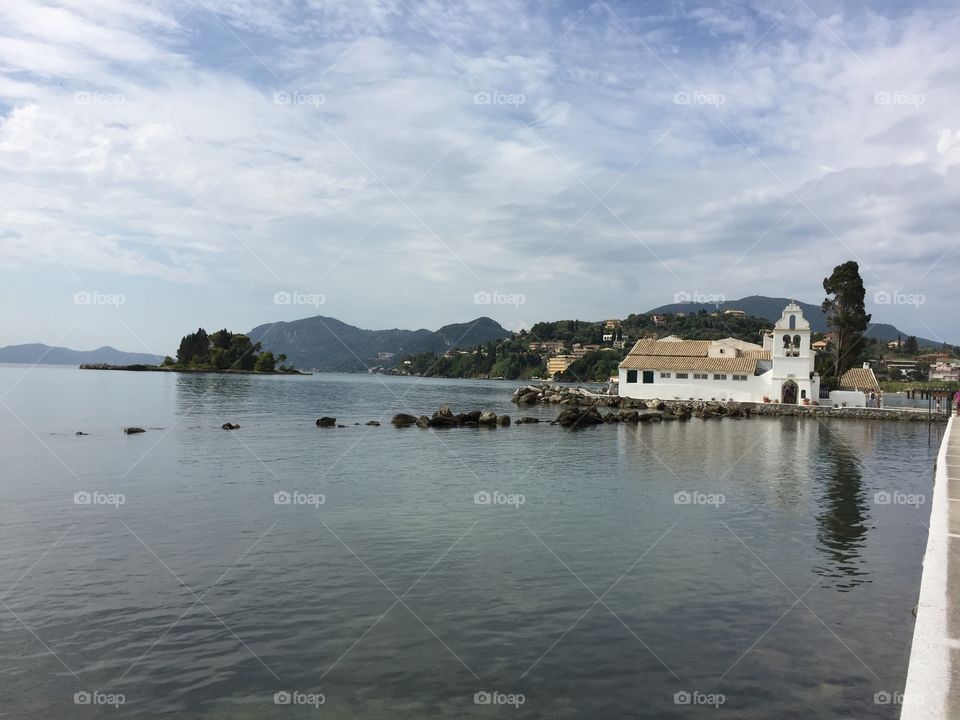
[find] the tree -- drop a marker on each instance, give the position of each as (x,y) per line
(910,347)
(846,313)
(194,348)
(265,362)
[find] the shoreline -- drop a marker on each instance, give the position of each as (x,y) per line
(160,368)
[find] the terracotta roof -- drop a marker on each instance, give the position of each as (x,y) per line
(676,348)
(757,354)
(859,379)
(740,365)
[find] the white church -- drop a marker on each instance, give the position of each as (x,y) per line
(780,370)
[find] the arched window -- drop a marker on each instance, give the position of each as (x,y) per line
(793,322)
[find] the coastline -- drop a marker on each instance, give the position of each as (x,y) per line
(160,368)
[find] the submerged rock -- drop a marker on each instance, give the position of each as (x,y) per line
(575,417)
(527,420)
(326,421)
(133,430)
(230,426)
(403,420)
(503,420)
(373,423)
(80,432)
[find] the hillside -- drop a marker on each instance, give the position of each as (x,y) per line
(39,353)
(325,343)
(770,308)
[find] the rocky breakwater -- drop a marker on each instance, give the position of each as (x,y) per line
(446,418)
(636,410)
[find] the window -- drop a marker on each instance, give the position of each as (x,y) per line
(699,376)
(740,378)
(664,375)
(793,322)
(648,376)
(721,376)
(631,376)
(682,376)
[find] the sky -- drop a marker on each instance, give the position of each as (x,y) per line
(392,163)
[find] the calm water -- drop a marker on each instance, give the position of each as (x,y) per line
(399,597)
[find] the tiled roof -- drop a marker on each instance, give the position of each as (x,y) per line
(757,354)
(677,348)
(859,379)
(740,365)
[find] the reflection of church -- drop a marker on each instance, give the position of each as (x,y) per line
(782,369)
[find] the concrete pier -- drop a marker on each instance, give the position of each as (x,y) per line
(932,691)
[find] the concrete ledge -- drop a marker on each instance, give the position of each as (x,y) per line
(935,654)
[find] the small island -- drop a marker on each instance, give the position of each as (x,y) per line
(219,352)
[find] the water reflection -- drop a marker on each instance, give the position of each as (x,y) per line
(841,524)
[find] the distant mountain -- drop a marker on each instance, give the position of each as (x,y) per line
(39,353)
(770,308)
(325,343)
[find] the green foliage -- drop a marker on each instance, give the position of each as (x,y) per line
(511,359)
(597,366)
(265,362)
(910,347)
(846,314)
(223,350)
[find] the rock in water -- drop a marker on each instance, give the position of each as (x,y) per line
(326,421)
(527,420)
(503,420)
(373,423)
(487,418)
(80,432)
(404,420)
(230,426)
(133,430)
(574,417)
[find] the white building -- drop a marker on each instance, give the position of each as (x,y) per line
(729,369)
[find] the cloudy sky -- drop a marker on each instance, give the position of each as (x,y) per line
(166,165)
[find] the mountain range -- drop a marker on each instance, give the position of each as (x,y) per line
(770,308)
(39,353)
(325,343)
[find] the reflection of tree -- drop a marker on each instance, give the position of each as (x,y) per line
(841,528)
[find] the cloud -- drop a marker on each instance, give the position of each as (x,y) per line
(376,147)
